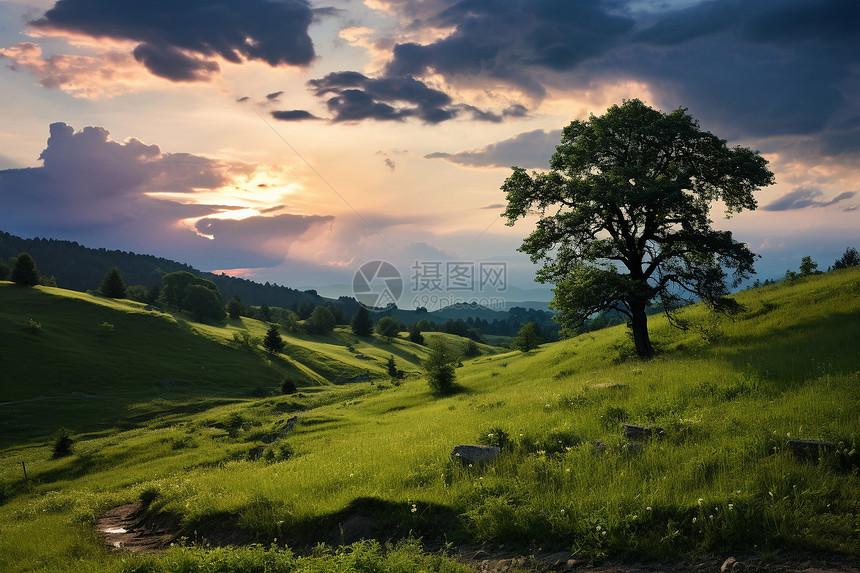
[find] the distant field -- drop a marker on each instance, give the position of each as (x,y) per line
(163,410)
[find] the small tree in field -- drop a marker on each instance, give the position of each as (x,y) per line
(25,272)
(273,341)
(320,321)
(63,443)
(624,215)
(113,285)
(528,338)
(440,367)
(388,327)
(361,323)
(235,308)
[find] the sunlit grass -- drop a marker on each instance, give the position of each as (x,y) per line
(729,393)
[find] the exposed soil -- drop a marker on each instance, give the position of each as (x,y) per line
(128,527)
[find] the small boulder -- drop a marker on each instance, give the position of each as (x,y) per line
(809,450)
(633,449)
(474,454)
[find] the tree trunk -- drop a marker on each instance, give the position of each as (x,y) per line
(639,324)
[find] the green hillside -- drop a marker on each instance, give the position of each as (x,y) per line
(374,459)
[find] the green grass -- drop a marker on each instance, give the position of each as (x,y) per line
(728,392)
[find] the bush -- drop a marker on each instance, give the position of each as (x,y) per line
(244,339)
(106,328)
(277,452)
(34,327)
(25,272)
(288,386)
(63,443)
(472,349)
(495,437)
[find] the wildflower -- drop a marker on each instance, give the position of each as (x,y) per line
(562,511)
(598,527)
(567,470)
(694,520)
(731,506)
(700,501)
(603,533)
(414,509)
(648,508)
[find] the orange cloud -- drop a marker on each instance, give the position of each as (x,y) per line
(107,74)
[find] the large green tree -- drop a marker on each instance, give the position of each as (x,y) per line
(320,321)
(624,215)
(204,299)
(25,272)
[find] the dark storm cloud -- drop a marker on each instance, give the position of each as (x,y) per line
(802,198)
(293,115)
(531,149)
(172,64)
(746,68)
(250,233)
(503,39)
(177,40)
(92,189)
(770,67)
(357,97)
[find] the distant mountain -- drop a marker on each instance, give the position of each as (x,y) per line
(81,268)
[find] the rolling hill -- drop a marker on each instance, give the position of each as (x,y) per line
(362,459)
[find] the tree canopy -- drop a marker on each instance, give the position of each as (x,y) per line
(25,271)
(528,338)
(387,327)
(113,285)
(624,215)
(361,323)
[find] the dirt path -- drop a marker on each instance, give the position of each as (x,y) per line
(126,527)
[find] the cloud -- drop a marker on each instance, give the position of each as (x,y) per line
(274,96)
(358,97)
(133,195)
(243,99)
(531,149)
(502,40)
(750,69)
(180,41)
(110,74)
(804,197)
(293,115)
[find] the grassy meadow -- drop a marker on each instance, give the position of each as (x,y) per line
(188,418)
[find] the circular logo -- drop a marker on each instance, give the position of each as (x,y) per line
(377,284)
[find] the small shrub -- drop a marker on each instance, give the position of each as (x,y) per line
(148,495)
(288,386)
(244,339)
(63,443)
(612,416)
(472,349)
(34,327)
(277,452)
(495,437)
(106,328)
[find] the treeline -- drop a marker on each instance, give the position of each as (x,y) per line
(80,268)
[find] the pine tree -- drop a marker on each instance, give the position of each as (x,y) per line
(361,323)
(25,272)
(113,285)
(273,341)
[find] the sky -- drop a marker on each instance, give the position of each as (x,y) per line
(294,142)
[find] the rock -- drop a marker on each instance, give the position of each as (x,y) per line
(633,449)
(729,564)
(634,432)
(809,450)
(598,447)
(474,454)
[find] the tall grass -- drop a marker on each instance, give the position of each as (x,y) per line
(728,393)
